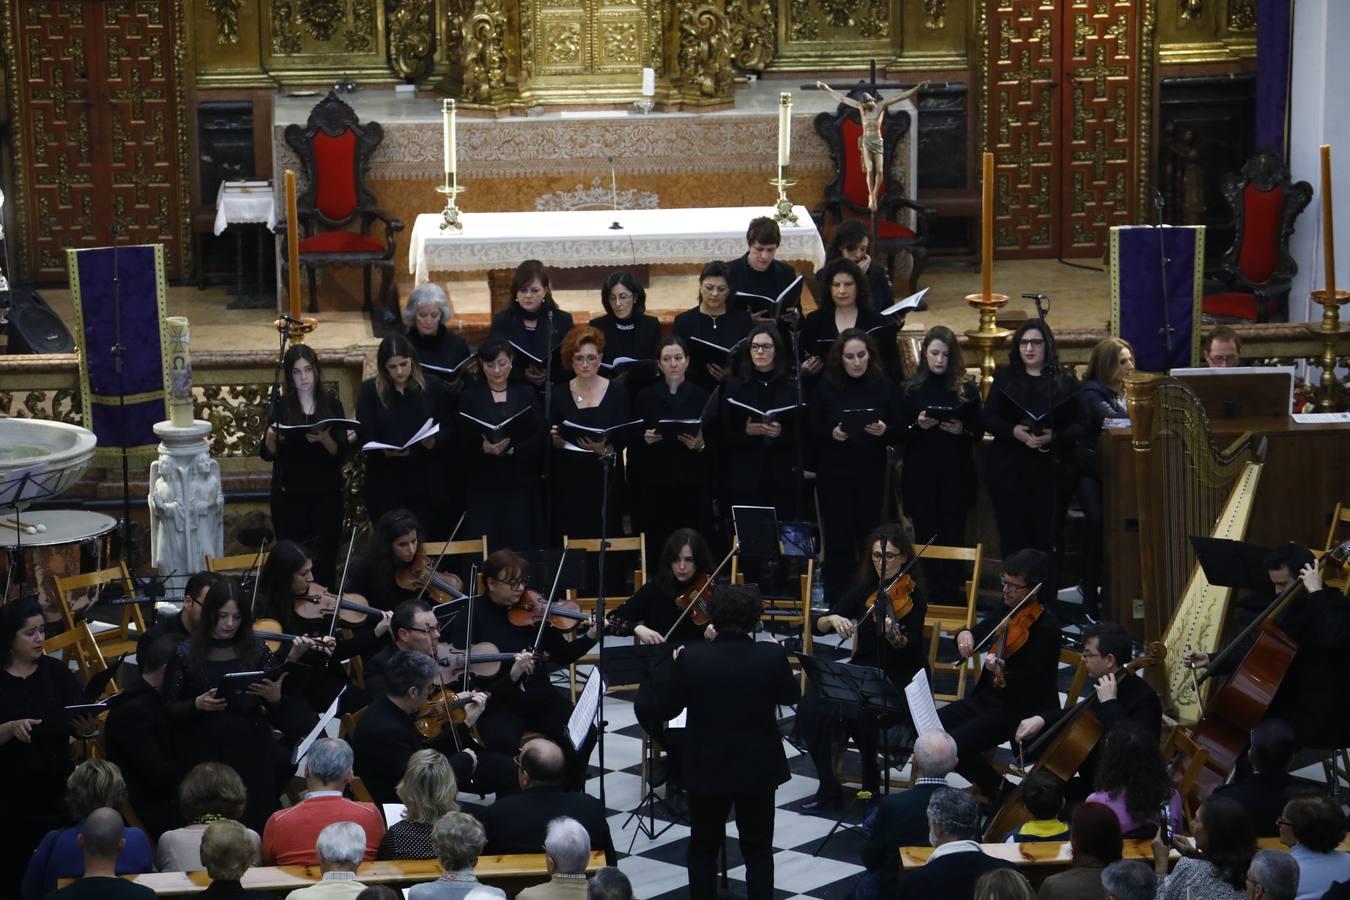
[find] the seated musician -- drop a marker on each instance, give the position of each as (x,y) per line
(1015,682)
(1119,699)
(412,626)
(896,646)
(385,572)
(1311,697)
(182,622)
(522,696)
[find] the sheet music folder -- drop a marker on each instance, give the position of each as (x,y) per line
(1233,564)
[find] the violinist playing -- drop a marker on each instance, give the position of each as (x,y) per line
(391,567)
(1018,678)
(896,647)
(522,696)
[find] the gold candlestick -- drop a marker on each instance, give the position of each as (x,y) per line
(295,324)
(1331,299)
(989,334)
(450,216)
(783,208)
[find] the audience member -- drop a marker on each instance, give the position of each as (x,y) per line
(1217,868)
(1096,843)
(459,841)
(1004,884)
(428,791)
(1222,348)
(289,838)
(102,840)
(1265,790)
(139,736)
(902,817)
(1274,875)
(519,822)
(339,849)
(95,784)
(1312,828)
(567,847)
(227,850)
(210,792)
(957,861)
(1043,794)
(1129,879)
(609,883)
(379,892)
(1132,779)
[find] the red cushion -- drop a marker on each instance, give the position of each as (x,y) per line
(892,230)
(1260,232)
(335,172)
(1232,305)
(855,182)
(341,242)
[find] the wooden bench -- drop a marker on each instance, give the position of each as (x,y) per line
(512,873)
(1060,853)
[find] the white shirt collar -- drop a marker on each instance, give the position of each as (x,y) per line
(310,795)
(951,847)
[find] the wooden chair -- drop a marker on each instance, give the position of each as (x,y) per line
(1071,658)
(348,722)
(790,611)
(240,562)
(117,640)
(468,547)
(79,645)
(1180,745)
(949,619)
(638,545)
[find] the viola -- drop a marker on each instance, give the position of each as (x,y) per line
(528,611)
(269,631)
(1016,632)
(422,575)
(480,658)
(696,596)
(447,708)
(315,607)
(900,597)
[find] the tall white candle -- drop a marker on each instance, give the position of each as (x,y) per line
(784,129)
(649,82)
(448,133)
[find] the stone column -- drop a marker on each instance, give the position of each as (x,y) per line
(187,505)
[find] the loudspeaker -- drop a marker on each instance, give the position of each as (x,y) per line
(34,327)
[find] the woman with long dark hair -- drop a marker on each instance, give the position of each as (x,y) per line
(1094,835)
(1216,868)
(941,427)
(1132,780)
(852,414)
(629,332)
(393,406)
(712,323)
(526,324)
(845,303)
(391,549)
(851,241)
(307,462)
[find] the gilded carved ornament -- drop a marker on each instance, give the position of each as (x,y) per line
(1190,9)
(227,20)
(411,34)
(1242,15)
(751,24)
(705,50)
(935,14)
(485,50)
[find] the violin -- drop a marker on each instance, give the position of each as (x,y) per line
(696,596)
(480,659)
(900,594)
(422,575)
(314,607)
(1015,634)
(269,631)
(447,708)
(528,611)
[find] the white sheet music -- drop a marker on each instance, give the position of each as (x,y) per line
(328,715)
(393,813)
(921,707)
(679,721)
(583,717)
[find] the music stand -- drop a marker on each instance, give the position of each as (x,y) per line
(544,563)
(756,529)
(637,665)
(1232,564)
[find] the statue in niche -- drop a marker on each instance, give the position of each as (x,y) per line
(871,113)
(168,515)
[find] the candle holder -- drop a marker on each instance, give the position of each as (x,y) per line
(294,330)
(783,208)
(1330,331)
(450,216)
(645,104)
(987,334)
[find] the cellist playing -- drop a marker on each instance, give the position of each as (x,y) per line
(1018,677)
(897,647)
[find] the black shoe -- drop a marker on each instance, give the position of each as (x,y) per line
(822,803)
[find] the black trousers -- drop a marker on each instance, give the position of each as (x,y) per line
(314,521)
(650,714)
(1029,510)
(823,726)
(1090,499)
(978,723)
(708,830)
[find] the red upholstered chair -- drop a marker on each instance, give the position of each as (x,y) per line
(1253,282)
(335,149)
(846,194)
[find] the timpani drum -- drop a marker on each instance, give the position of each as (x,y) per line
(44,545)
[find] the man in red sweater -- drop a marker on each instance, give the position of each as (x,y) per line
(288,838)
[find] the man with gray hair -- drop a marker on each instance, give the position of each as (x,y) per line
(340,847)
(902,817)
(1129,879)
(102,838)
(568,848)
(290,834)
(609,883)
(956,862)
(1272,875)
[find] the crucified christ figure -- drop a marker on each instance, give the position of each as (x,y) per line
(870,146)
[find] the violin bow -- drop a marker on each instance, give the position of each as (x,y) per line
(342,582)
(468,626)
(543,622)
(735,545)
(1002,625)
(883,588)
(256,569)
(437,564)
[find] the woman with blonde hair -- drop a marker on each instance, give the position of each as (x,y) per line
(428,790)
(1004,884)
(1112,360)
(227,851)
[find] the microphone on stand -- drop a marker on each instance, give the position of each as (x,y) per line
(614,193)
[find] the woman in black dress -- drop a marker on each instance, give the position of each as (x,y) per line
(591,402)
(35,732)
(710,323)
(629,332)
(897,648)
(307,464)
(941,428)
(845,304)
(392,550)
(1111,362)
(852,414)
(501,476)
(534,324)
(1036,416)
(218,724)
(392,407)
(440,350)
(668,472)
(851,241)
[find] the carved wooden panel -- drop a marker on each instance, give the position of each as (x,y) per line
(99,97)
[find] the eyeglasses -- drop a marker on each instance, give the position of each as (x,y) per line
(1282,822)
(1031,342)
(1230,359)
(618,296)
(585,358)
(761,348)
(877,557)
(1008,586)
(428,630)
(515,582)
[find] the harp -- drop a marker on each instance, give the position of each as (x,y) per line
(1187,486)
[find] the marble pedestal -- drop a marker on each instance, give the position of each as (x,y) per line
(187,505)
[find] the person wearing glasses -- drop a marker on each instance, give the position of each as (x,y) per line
(523,698)
(989,714)
(1222,348)
(181,623)
(1037,416)
(897,647)
(525,322)
(629,332)
(712,324)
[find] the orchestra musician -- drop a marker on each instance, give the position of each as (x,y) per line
(896,647)
(715,321)
(386,573)
(182,622)
(526,323)
(845,305)
(628,330)
(392,407)
(850,451)
(522,696)
(1018,676)
(502,498)
(307,480)
(427,315)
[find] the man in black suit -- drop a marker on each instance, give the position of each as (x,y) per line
(182,622)
(519,823)
(758,273)
(731,687)
(990,714)
(1119,700)
(1264,792)
(957,861)
(139,737)
(413,627)
(902,817)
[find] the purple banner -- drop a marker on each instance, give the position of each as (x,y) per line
(1157,274)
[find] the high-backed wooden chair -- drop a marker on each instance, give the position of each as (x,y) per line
(468,547)
(587,546)
(788,611)
(948,619)
(79,646)
(121,638)
(239,562)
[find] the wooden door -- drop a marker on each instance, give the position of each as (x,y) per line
(1062,105)
(100,98)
